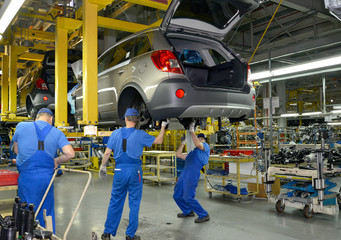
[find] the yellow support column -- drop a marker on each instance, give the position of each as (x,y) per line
(4,84)
(90,87)
(13,59)
(61,74)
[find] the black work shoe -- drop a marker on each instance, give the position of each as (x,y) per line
(105,236)
(136,237)
(201,220)
(181,215)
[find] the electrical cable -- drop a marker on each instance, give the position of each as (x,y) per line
(265,31)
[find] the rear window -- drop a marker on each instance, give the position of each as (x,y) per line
(73,56)
(217,57)
(217,13)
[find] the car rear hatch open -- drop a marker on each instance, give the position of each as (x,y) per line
(214,18)
(207,63)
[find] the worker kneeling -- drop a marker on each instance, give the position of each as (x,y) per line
(184,191)
(36,144)
(127,144)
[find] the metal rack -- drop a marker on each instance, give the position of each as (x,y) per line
(163,163)
(81,159)
(238,177)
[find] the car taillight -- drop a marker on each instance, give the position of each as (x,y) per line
(41,84)
(45,98)
(180,93)
(253,98)
(249,78)
(166,61)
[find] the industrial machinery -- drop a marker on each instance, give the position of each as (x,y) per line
(308,188)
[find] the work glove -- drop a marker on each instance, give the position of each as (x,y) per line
(183,139)
(164,123)
(191,127)
(103,172)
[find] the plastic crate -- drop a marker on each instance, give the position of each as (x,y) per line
(8,178)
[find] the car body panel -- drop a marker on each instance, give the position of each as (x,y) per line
(128,77)
(213,18)
(30,97)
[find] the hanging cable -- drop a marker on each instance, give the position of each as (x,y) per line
(265,31)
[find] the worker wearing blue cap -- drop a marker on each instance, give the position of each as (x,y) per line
(127,144)
(36,144)
(185,188)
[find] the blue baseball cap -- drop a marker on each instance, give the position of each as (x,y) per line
(131,112)
(45,110)
(201,135)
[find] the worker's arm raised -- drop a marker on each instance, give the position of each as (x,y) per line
(196,141)
(179,153)
(159,138)
(68,153)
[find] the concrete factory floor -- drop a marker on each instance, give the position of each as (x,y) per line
(230,219)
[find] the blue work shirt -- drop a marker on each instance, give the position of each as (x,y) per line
(136,141)
(199,154)
(26,138)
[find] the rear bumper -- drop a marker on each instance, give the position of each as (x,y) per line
(38,100)
(199,102)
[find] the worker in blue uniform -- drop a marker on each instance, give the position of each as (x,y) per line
(184,191)
(127,145)
(36,144)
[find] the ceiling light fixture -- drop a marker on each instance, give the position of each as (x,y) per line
(289,115)
(299,68)
(336,111)
(311,113)
(334,123)
(7,12)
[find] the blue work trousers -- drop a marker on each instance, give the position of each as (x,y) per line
(184,193)
(127,178)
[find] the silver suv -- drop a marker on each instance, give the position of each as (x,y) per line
(181,69)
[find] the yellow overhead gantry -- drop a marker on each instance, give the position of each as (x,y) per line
(90,23)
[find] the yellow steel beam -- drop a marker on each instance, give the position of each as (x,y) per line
(31,57)
(4,84)
(39,15)
(119,11)
(34,34)
(61,72)
(14,51)
(120,25)
(156,24)
(44,47)
(152,3)
(90,87)
(19,65)
(100,3)
(69,23)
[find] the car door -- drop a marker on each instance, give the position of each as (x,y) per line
(111,79)
(213,18)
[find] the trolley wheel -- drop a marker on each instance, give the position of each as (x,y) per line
(279,207)
(210,194)
(307,212)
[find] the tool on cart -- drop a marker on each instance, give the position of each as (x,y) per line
(308,188)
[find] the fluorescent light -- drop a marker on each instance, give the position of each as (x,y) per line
(311,113)
(334,123)
(289,115)
(0,72)
(337,107)
(336,111)
(298,68)
(9,13)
